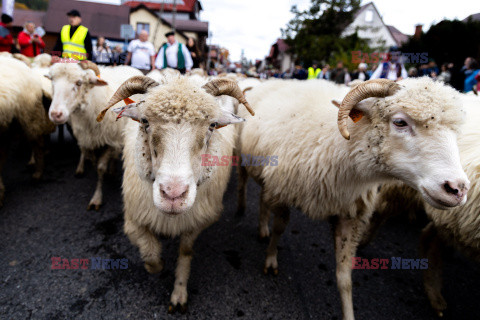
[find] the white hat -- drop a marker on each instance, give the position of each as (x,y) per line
(362,65)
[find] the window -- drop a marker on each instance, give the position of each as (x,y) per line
(143,26)
(369,16)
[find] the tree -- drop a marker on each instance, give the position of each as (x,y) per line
(315,34)
(41,5)
(448,41)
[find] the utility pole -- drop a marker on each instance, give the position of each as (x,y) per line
(209,50)
(159,22)
(174,13)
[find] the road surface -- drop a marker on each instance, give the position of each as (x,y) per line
(49,219)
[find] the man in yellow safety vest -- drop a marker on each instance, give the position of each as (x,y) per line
(313,71)
(74,41)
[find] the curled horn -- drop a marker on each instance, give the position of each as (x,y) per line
(247,89)
(86,64)
(227,87)
(372,88)
(134,85)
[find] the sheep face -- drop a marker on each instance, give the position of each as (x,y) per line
(71,85)
(177,124)
(413,136)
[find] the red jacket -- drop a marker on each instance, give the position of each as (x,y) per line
(6,42)
(26,47)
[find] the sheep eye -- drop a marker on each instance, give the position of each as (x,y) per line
(400,123)
(79,83)
(144,121)
(213,125)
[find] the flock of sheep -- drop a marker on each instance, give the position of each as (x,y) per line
(352,156)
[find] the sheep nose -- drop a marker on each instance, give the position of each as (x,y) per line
(174,191)
(57,115)
(457,188)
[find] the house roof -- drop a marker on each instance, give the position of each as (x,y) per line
(360,10)
(399,37)
(101,19)
(190,25)
(474,17)
(182,5)
(396,34)
(282,45)
(21,16)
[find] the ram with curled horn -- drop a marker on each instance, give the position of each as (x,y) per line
(403,131)
(176,163)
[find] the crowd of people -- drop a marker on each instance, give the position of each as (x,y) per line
(28,42)
(466,78)
(75,42)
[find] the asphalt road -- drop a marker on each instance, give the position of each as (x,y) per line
(49,219)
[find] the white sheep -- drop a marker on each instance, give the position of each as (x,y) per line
(159,74)
(43,60)
(21,98)
(405,131)
(167,187)
(23,58)
(458,227)
(78,96)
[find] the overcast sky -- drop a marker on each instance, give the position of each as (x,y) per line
(254,25)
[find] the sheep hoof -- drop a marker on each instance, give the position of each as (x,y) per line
(94,206)
(270,270)
(36,176)
(79,174)
(154,267)
(263,239)
(182,308)
(439,305)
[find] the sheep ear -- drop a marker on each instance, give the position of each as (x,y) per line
(130,110)
(98,82)
(357,113)
(227,118)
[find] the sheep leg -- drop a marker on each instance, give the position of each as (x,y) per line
(38,154)
(263,219)
(150,248)
(102,166)
(281,216)
(178,301)
(347,235)
(81,164)
(241,190)
(431,248)
(31,162)
(377,220)
(112,166)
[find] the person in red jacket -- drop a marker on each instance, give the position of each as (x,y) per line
(30,42)
(6,39)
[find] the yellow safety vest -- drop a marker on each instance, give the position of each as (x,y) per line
(312,74)
(74,47)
